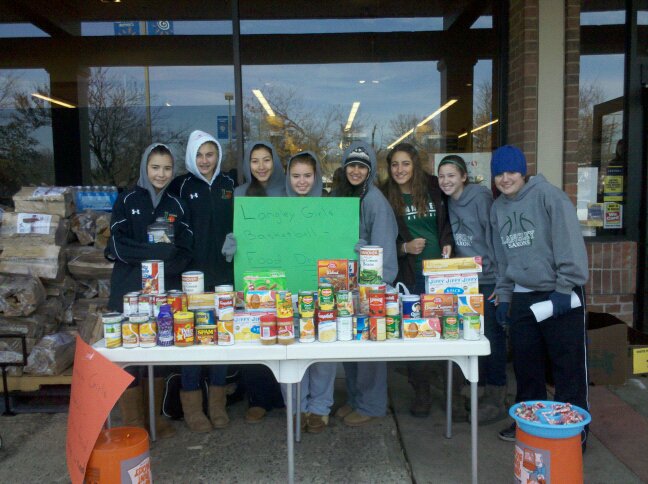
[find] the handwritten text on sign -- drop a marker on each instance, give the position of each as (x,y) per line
(97,384)
(291,234)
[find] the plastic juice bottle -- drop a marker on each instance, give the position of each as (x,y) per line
(165,326)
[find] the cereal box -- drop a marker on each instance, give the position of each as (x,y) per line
(247,327)
(458,265)
(437,304)
(472,303)
(422,329)
(335,272)
(452,284)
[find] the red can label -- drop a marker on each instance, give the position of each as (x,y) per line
(177,300)
(326,316)
(377,304)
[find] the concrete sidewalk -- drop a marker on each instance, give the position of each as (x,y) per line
(399,448)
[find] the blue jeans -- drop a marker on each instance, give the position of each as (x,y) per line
(367,387)
(492,368)
(191,376)
(316,389)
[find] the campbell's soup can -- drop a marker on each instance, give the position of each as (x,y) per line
(345,328)
(326,297)
(376,303)
(177,300)
(193,282)
(371,265)
(411,306)
(183,328)
(377,329)
(225,332)
(131,303)
(306,330)
(391,296)
(148,333)
(223,288)
(306,305)
(144,305)
(392,309)
(360,327)
(152,276)
(157,301)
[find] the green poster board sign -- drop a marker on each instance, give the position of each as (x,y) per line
(292,234)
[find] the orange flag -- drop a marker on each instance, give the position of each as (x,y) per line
(97,384)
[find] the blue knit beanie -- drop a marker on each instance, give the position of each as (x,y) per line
(508,158)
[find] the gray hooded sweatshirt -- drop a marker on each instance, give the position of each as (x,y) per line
(276,183)
(377,220)
(196,140)
(144,181)
(316,189)
(537,240)
(470,220)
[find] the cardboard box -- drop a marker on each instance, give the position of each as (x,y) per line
(458,265)
(608,349)
(637,352)
(452,284)
(437,304)
(335,272)
(52,200)
(247,327)
(421,329)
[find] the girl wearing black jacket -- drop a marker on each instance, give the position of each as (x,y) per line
(128,246)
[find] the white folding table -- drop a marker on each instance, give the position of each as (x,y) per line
(288,363)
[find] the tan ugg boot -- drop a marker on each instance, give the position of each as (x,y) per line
(193,412)
(163,428)
(131,405)
(217,410)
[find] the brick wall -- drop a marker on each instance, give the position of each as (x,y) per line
(612,278)
(523,79)
(572,68)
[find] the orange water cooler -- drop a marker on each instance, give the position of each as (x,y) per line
(121,455)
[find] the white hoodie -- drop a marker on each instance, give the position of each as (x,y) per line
(196,140)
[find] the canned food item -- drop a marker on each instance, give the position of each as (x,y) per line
(224,288)
(139,318)
(206,334)
(325,297)
(411,306)
(364,295)
(306,330)
(130,334)
(144,305)
(183,328)
(131,303)
(204,317)
(225,332)
(326,330)
(306,305)
(285,331)
(193,282)
(344,328)
(392,309)
(391,296)
(148,333)
(371,265)
(450,326)
(268,329)
(353,274)
(377,328)
(152,276)
(283,300)
(112,323)
(393,323)
(177,300)
(471,326)
(344,303)
(376,303)
(157,301)
(360,327)
(225,305)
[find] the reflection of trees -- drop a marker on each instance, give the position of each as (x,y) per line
(482,114)
(20,162)
(296,126)
(590,95)
(118,128)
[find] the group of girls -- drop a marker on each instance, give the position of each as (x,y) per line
(413,216)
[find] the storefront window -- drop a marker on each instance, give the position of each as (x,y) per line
(602,172)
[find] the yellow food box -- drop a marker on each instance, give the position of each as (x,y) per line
(452,266)
(452,284)
(247,327)
(203,300)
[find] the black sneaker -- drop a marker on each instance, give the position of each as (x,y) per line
(508,434)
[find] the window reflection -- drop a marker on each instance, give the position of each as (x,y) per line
(331,26)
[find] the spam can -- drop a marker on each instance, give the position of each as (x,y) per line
(206,334)
(112,325)
(183,328)
(471,326)
(393,324)
(204,317)
(148,333)
(344,328)
(152,276)
(306,304)
(450,326)
(325,297)
(360,327)
(377,328)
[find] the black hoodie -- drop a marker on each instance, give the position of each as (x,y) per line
(128,246)
(211,203)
